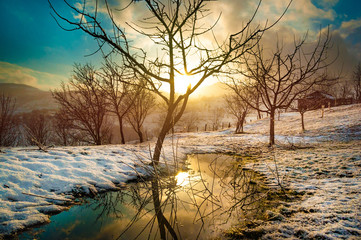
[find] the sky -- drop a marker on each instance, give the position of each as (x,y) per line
(35,51)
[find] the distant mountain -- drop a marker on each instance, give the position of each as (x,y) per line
(215,90)
(28,98)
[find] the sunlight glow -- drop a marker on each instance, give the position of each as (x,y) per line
(182,178)
(183,81)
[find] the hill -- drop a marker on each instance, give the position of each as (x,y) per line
(215,90)
(28,98)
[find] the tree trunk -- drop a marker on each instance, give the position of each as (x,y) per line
(302,121)
(158,146)
(158,209)
(322,110)
(122,137)
(98,141)
(65,140)
(243,119)
(163,223)
(238,126)
(259,116)
(167,125)
(140,134)
(272,127)
(97,137)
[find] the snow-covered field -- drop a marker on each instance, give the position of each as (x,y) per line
(327,170)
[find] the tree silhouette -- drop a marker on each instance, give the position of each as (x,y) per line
(282,76)
(84,104)
(8,123)
(357,82)
(176,29)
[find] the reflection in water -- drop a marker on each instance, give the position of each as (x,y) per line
(182,178)
(214,194)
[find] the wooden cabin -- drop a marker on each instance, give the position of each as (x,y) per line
(316,100)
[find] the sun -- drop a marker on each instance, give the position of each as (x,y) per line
(183,81)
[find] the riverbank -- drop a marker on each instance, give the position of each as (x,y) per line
(326,178)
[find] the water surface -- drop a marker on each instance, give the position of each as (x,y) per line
(215,193)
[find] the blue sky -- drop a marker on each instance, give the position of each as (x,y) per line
(34,50)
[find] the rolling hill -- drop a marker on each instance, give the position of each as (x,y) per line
(28,98)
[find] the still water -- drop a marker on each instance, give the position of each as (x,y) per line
(213,194)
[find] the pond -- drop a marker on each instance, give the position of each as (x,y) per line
(213,194)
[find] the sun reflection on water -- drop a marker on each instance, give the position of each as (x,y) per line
(182,178)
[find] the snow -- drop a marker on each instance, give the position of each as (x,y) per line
(326,169)
(330,177)
(59,174)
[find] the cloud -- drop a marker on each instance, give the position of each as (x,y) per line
(349,27)
(303,16)
(12,73)
(235,14)
(300,16)
(327,3)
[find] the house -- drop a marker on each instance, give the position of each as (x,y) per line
(316,100)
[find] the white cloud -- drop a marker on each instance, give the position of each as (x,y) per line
(348,27)
(12,73)
(328,3)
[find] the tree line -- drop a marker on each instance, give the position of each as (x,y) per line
(88,103)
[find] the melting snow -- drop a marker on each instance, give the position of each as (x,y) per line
(329,173)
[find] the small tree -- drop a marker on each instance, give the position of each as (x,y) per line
(37,127)
(121,92)
(140,107)
(356,78)
(189,120)
(84,104)
(217,117)
(8,123)
(302,109)
(238,108)
(64,132)
(324,84)
(345,90)
(283,76)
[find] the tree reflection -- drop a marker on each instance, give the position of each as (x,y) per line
(214,194)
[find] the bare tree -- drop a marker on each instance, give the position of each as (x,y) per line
(120,90)
(238,108)
(284,76)
(176,28)
(141,104)
(325,84)
(64,132)
(37,127)
(191,120)
(217,117)
(345,89)
(84,104)
(8,123)
(357,82)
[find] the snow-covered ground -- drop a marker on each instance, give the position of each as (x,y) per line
(327,170)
